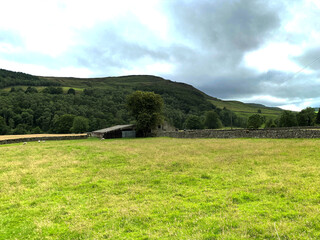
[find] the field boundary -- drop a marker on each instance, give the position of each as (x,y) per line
(30,138)
(245,133)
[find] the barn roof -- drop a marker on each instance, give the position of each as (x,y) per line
(114,128)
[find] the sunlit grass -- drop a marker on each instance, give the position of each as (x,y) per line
(245,110)
(161,188)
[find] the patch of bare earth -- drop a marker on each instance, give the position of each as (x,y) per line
(7,137)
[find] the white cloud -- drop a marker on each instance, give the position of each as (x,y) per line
(45,71)
(274,56)
(158,68)
(226,46)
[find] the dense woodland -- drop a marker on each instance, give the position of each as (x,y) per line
(31,104)
(34,110)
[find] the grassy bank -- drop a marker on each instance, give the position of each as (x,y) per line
(161,188)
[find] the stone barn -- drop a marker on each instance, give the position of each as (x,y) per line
(118,131)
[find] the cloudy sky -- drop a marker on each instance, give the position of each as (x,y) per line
(249,50)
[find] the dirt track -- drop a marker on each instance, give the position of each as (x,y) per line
(11,137)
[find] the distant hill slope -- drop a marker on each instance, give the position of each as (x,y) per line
(10,79)
(39,101)
(160,85)
(247,109)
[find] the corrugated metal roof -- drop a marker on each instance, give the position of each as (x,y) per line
(113,128)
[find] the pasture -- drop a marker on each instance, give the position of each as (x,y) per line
(161,188)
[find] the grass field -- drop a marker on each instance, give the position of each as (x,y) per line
(246,110)
(161,188)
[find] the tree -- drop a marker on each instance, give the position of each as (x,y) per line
(306,117)
(288,119)
(3,126)
(270,124)
(21,129)
(71,91)
(146,108)
(255,121)
(64,123)
(212,120)
(318,117)
(80,125)
(193,122)
(31,90)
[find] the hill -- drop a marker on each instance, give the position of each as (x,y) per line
(35,103)
(161,86)
(247,109)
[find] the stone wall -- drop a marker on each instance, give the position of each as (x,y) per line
(245,133)
(33,139)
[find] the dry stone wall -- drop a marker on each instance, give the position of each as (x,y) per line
(244,133)
(32,139)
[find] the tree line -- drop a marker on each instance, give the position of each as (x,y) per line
(306,117)
(9,78)
(47,109)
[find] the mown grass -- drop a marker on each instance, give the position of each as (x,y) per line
(161,188)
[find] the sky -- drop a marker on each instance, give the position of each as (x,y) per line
(254,51)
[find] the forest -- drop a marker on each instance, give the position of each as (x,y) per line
(31,104)
(44,105)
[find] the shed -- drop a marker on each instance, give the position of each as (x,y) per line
(118,131)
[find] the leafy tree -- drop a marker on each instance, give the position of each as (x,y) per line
(21,129)
(193,122)
(31,90)
(212,120)
(288,119)
(3,126)
(27,118)
(36,130)
(318,117)
(270,124)
(146,108)
(64,123)
(254,121)
(80,125)
(306,117)
(71,91)
(228,118)
(53,90)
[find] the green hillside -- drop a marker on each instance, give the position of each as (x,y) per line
(34,104)
(247,109)
(160,85)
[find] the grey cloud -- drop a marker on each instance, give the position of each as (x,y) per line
(232,25)
(221,33)
(309,59)
(106,46)
(225,31)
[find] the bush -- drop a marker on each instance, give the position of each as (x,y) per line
(288,119)
(64,124)
(255,121)
(80,125)
(193,122)
(212,120)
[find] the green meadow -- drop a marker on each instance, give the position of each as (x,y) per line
(247,109)
(161,188)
